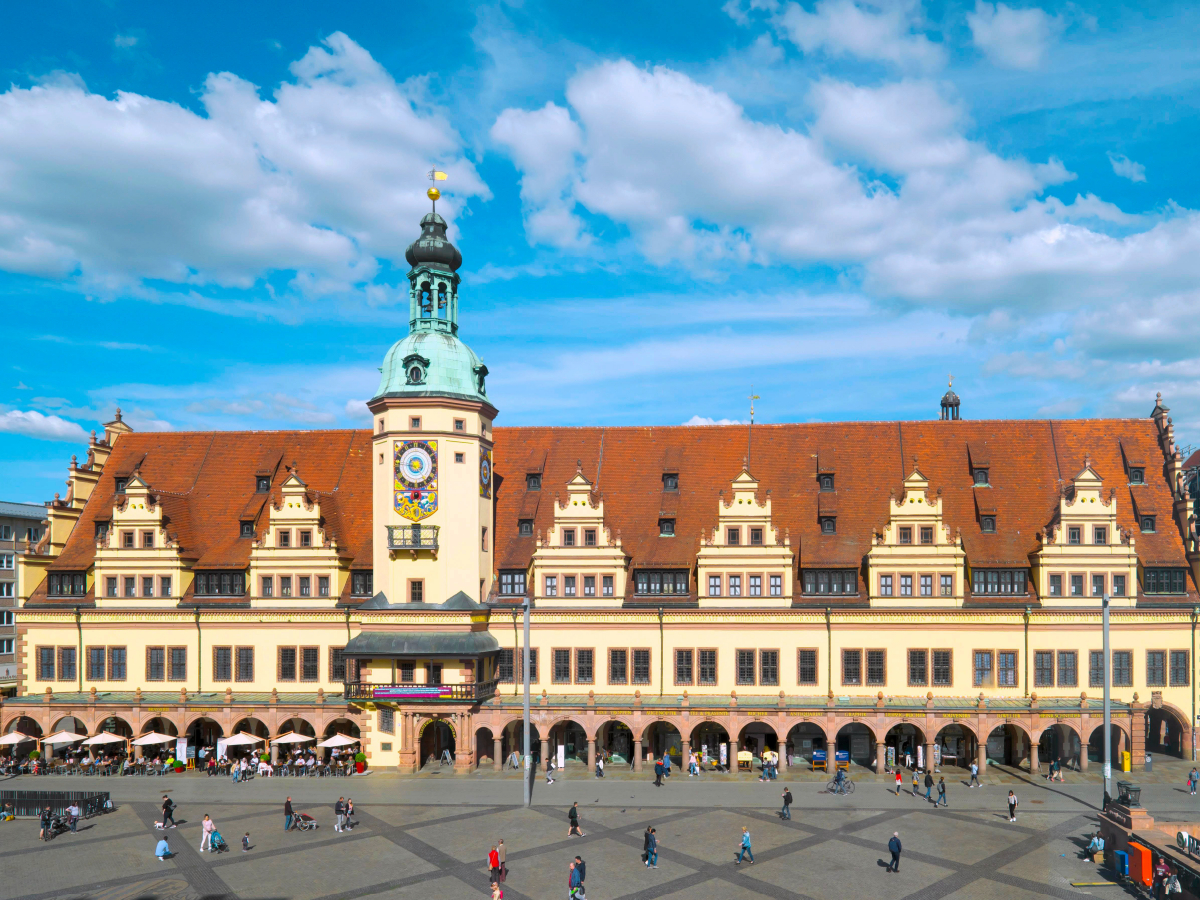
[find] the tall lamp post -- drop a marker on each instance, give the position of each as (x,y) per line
(1107,705)
(525,678)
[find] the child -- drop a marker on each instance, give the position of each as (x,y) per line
(245,842)
(899,781)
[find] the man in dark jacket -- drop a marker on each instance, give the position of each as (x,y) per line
(168,809)
(581,868)
(573,818)
(287,814)
(929,784)
(894,848)
(786,812)
(658,773)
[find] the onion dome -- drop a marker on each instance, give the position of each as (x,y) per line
(433,248)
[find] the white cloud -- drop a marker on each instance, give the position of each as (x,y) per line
(706,420)
(1013,38)
(323,179)
(1126,167)
(885,32)
(32,423)
(125,41)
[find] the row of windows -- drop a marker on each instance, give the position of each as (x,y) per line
(304,585)
(33,534)
(171,664)
(903,585)
(830,581)
(284,538)
(1059,668)
(1098,581)
(568,536)
(127,586)
(753,585)
(572,585)
(661,582)
(66,584)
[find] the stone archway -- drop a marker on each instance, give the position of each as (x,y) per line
(1167,732)
(856,741)
(956,744)
(1119,741)
(1059,742)
(572,737)
(904,746)
(1007,744)
(615,738)
(438,742)
(663,738)
(806,745)
(709,740)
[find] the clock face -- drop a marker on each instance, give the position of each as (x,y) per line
(415,465)
(485,471)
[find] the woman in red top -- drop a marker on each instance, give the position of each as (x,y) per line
(494,863)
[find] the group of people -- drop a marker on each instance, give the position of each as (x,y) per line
(929,786)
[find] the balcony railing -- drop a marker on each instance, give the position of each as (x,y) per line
(412,537)
(421,693)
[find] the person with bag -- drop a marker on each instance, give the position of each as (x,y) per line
(573,883)
(941,797)
(168,809)
(658,773)
(786,812)
(581,868)
(745,848)
(502,855)
(652,850)
(1012,807)
(1193,777)
(899,781)
(974,782)
(928,785)
(497,893)
(494,864)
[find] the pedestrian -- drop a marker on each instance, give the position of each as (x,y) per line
(1159,883)
(572,882)
(1173,885)
(652,851)
(974,782)
(161,849)
(894,848)
(666,761)
(573,818)
(168,809)
(646,847)
(288,815)
(246,842)
(786,812)
(497,893)
(581,868)
(928,784)
(47,818)
(206,830)
(600,765)
(550,771)
(899,781)
(1012,807)
(73,816)
(339,810)
(1193,777)
(494,863)
(941,800)
(350,823)
(916,784)
(745,851)
(658,773)
(502,853)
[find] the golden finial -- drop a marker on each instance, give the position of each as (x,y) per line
(951,380)
(433,193)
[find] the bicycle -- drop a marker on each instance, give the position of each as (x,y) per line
(846,787)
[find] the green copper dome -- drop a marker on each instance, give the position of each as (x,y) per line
(432,364)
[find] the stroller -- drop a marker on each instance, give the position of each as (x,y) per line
(217,843)
(305,822)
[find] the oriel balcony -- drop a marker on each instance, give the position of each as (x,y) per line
(475,692)
(413,537)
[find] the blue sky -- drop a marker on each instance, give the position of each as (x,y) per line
(204,210)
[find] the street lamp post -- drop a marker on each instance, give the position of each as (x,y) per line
(528,774)
(1107,705)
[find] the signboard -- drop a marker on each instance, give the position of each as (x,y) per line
(181,749)
(920,756)
(412,692)
(562,756)
(818,756)
(891,757)
(724,755)
(221,748)
(841,756)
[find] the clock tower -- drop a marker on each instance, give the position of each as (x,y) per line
(432,445)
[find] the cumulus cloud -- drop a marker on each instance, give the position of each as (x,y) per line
(1013,38)
(323,179)
(884,32)
(707,420)
(1126,167)
(34,424)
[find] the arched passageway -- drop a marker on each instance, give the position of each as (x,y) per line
(616,740)
(806,745)
(663,739)
(711,742)
(1007,745)
(905,746)
(1118,742)
(956,745)
(1059,743)
(854,743)
(437,743)
(1167,734)
(484,747)
(204,732)
(572,738)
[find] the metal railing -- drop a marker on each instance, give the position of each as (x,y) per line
(413,537)
(29,804)
(420,693)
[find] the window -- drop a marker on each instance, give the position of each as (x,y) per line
(283,538)
(905,585)
(826,482)
(830,581)
(361,583)
(947,585)
(607,582)
(981,476)
(1043,668)
(926,585)
(164,586)
(806,666)
(525,527)
(96,667)
(147,585)
(268,586)
(776,585)
(551,586)
(706,668)
(116,663)
(983,668)
(683,666)
(1068,668)
(533,665)
(414,423)
(460,424)
(285,585)
(670,481)
(156,663)
(876,667)
(6,618)
(533,481)
(148,540)
(755,585)
(100,535)
(214,584)
(768,667)
(583,666)
(568,537)
(6,646)
(714,585)
(1006,668)
(406,671)
(66,584)
(222,664)
(828,525)
(285,669)
(460,457)
(568,585)
(1118,585)
(618,666)
(512,583)
(304,582)
(666,528)
(926,534)
(5,532)
(262,484)
(130,586)
(177,656)
(45,663)
(1180,670)
(733,536)
(735,585)
(987,524)
(66,663)
(745,666)
(1100,535)
(119,484)
(561,670)
(6,560)
(1156,668)
(1147,523)
(110,586)
(387,720)
(1096,668)
(589,585)
(245,664)
(756,537)
(247,529)
(127,540)
(305,538)
(337,663)
(998,581)
(1097,585)
(322,585)
(1055,585)
(1073,535)
(851,667)
(1122,663)
(918,673)
(648,581)
(1137,476)
(1076,585)
(416,591)
(885,585)
(906,535)
(1165,581)
(641,666)
(504,666)
(589,537)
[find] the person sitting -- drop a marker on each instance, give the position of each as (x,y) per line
(311,765)
(1095,845)
(162,850)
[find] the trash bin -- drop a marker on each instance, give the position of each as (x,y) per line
(1122,863)
(1149,763)
(1126,761)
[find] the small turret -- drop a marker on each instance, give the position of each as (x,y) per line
(950,403)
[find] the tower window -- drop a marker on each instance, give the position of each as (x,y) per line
(379,429)
(826,483)
(1137,476)
(981,477)
(414,422)
(525,527)
(262,483)
(828,525)
(460,424)
(670,482)
(460,457)
(666,528)
(533,481)
(416,375)
(987,524)
(1147,524)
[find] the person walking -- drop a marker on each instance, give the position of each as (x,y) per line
(350,823)
(339,810)
(573,818)
(600,765)
(786,812)
(246,842)
(1193,777)
(581,868)
(206,829)
(168,809)
(745,851)
(894,848)
(550,770)
(941,798)
(502,855)
(899,781)
(1161,871)
(1012,807)
(928,785)
(494,863)
(974,782)
(652,850)
(572,882)
(916,783)
(288,815)
(658,773)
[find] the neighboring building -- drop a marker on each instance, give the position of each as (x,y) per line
(868,587)
(21,526)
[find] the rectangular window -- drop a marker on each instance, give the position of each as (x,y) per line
(533,665)
(568,585)
(1097,585)
(998,581)
(607,585)
(6,560)
(755,585)
(406,671)
(164,586)
(561,671)
(917,668)
(96,664)
(806,666)
(776,585)
(983,668)
(589,585)
(906,535)
(116,663)
(1006,668)
(851,667)
(66,663)
(323,585)
(1100,535)
(148,540)
(905,585)
(110,586)
(45,663)
(618,666)
(768,667)
(1055,585)
(885,585)
(947,585)
(1165,581)
(1118,583)
(127,540)
(337,664)
(416,591)
(714,585)
(1073,534)
(305,583)
(926,585)
(268,586)
(285,585)
(387,720)
(310,666)
(1076,585)
(641,666)
(6,646)
(512,583)
(589,537)
(362,583)
(733,536)
(926,534)
(156,663)
(568,536)
(706,669)
(584,673)
(147,585)
(177,659)
(1096,669)
(551,585)
(245,664)
(1156,668)
(504,666)
(130,586)
(1180,670)
(1068,668)
(286,668)
(283,538)
(683,666)
(876,668)
(1043,668)
(214,584)
(1122,663)
(745,667)
(735,585)
(756,537)
(222,664)
(306,539)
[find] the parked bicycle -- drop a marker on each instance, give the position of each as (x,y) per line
(846,786)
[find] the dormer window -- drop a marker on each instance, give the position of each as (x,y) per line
(756,537)
(1147,523)
(262,484)
(101,530)
(247,529)
(1073,535)
(120,485)
(829,526)
(733,536)
(568,537)
(533,481)
(525,527)
(905,535)
(826,483)
(981,477)
(1137,476)
(666,528)
(987,524)
(670,481)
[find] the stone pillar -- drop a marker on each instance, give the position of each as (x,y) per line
(497,753)
(981,757)
(592,754)
(1083,759)
(880,757)
(637,754)
(830,757)
(274,754)
(783,758)
(1033,758)
(685,748)
(545,753)
(928,757)
(733,760)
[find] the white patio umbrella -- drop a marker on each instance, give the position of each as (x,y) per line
(292,738)
(338,740)
(104,737)
(153,737)
(15,737)
(242,739)
(64,737)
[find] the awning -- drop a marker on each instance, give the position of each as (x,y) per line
(421,644)
(242,740)
(292,738)
(154,737)
(15,737)
(104,737)
(338,740)
(63,737)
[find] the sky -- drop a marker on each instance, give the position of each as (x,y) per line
(662,208)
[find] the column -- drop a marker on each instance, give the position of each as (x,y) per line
(1033,758)
(830,757)
(981,757)
(733,760)
(274,755)
(685,747)
(592,754)
(880,757)
(783,756)
(637,754)
(928,757)
(545,753)
(497,753)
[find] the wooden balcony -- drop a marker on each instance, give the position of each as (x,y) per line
(420,693)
